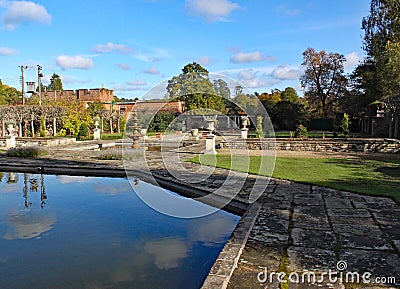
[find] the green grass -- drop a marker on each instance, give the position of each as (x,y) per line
(111,136)
(372,177)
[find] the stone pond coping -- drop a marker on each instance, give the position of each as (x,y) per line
(34,141)
(252,225)
(227,261)
(316,145)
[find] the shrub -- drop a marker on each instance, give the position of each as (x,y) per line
(62,132)
(42,126)
(25,152)
(110,154)
(83,131)
(301,131)
(345,125)
(116,154)
(260,132)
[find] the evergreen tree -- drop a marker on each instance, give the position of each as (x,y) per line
(55,83)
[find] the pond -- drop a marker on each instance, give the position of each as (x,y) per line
(89,232)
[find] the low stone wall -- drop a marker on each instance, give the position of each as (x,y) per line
(317,145)
(33,141)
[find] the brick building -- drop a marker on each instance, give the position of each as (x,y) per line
(83,95)
(106,96)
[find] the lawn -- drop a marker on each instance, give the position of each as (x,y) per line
(372,177)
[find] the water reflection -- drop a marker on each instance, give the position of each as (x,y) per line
(28,224)
(96,233)
(34,187)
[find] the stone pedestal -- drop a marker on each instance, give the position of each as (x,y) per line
(210,145)
(244,133)
(10,141)
(96,134)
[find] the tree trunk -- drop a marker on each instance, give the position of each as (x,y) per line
(102,125)
(3,127)
(33,128)
(119,128)
(111,125)
(25,129)
(20,129)
(44,124)
(54,127)
(396,127)
(390,135)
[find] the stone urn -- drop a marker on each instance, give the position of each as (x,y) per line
(210,122)
(194,132)
(143,131)
(243,121)
(10,129)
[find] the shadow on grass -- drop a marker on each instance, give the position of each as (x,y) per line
(389,171)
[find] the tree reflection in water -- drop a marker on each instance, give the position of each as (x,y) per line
(34,187)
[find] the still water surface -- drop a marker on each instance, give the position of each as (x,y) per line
(87,232)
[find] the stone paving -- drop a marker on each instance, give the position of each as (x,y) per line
(292,228)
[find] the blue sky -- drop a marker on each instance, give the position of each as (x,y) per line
(132,45)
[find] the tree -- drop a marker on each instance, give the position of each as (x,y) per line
(363,89)
(8,94)
(55,83)
(389,73)
(195,88)
(382,45)
(323,80)
(288,115)
(381,26)
(222,89)
(94,108)
(389,76)
(290,95)
(75,115)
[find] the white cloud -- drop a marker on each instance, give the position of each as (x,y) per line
(72,179)
(204,60)
(283,9)
(211,10)
(110,47)
(74,62)
(284,72)
(5,51)
(123,87)
(151,70)
(28,225)
(242,57)
(133,85)
(23,12)
(352,59)
(137,82)
(250,79)
(68,80)
(124,66)
(167,253)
